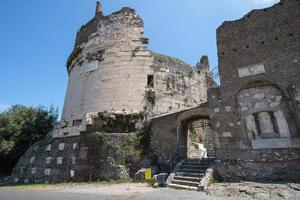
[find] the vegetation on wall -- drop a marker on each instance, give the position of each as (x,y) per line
(144,136)
(20,127)
(142,115)
(118,123)
(196,137)
(103,140)
(105,146)
(150,96)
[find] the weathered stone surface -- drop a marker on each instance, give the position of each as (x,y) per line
(260,81)
(169,134)
(111,69)
(233,171)
(251,127)
(251,70)
(265,124)
(282,124)
(160,179)
(253,191)
(70,164)
(255,112)
(272,143)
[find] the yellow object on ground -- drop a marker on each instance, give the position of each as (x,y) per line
(148,174)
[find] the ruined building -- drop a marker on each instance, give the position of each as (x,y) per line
(254,113)
(250,124)
(256,108)
(113,79)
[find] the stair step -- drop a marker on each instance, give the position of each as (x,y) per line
(187,183)
(199,166)
(187,178)
(189,174)
(192,170)
(176,186)
(203,163)
(202,160)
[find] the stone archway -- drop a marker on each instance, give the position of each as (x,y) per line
(194,126)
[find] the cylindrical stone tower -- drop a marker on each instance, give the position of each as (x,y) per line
(111,70)
(108,67)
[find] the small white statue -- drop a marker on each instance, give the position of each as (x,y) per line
(202,150)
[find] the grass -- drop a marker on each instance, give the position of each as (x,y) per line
(214,181)
(40,186)
(57,186)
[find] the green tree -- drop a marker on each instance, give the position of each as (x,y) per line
(20,127)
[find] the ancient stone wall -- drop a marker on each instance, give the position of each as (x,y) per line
(76,159)
(178,86)
(255,111)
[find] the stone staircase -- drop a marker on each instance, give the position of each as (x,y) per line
(189,173)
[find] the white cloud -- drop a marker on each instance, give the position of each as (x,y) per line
(4,107)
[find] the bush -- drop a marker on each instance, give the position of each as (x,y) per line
(150,96)
(144,136)
(21,127)
(117,123)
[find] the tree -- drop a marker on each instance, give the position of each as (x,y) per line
(20,127)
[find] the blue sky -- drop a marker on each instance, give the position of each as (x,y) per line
(37,36)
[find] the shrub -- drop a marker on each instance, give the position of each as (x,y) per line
(150,96)
(21,127)
(144,136)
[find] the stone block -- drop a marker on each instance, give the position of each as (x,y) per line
(228,108)
(33,170)
(61,146)
(59,160)
(271,143)
(32,159)
(48,160)
(160,179)
(251,70)
(83,152)
(73,159)
(75,146)
(227,134)
(216,110)
(48,147)
(47,172)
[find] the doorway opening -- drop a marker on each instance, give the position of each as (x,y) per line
(199,135)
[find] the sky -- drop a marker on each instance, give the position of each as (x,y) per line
(37,36)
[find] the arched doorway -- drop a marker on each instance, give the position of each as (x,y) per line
(199,131)
(194,127)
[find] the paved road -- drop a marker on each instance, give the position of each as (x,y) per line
(139,191)
(93,194)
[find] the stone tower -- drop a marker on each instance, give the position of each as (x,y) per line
(112,70)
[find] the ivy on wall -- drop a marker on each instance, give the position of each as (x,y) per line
(150,96)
